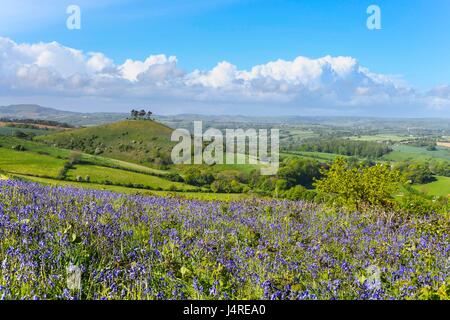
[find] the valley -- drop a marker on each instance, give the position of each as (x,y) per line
(133,155)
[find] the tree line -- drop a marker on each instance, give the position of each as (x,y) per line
(365,149)
(141,114)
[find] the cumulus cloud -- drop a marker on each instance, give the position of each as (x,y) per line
(338,83)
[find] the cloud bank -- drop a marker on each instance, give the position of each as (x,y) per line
(327,85)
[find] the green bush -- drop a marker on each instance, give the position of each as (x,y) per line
(355,188)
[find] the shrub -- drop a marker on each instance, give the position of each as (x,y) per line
(18,147)
(359,187)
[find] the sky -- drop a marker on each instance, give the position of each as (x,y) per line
(266,57)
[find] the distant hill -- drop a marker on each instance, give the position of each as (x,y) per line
(144,142)
(33,111)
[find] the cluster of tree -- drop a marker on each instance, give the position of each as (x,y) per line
(23,135)
(226,181)
(87,144)
(420,172)
(159,157)
(355,188)
(427,142)
(49,123)
(368,188)
(18,147)
(416,172)
(294,180)
(367,149)
(141,114)
(74,158)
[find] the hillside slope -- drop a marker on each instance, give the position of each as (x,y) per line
(138,141)
(33,111)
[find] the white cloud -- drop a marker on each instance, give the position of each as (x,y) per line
(132,69)
(338,83)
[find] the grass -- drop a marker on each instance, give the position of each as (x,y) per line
(402,152)
(320,156)
(207,196)
(32,146)
(103,175)
(134,141)
(108,162)
(380,137)
(29,163)
(440,187)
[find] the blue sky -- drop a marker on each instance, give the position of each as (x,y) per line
(413,46)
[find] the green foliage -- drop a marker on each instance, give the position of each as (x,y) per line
(346,147)
(419,204)
(299,193)
(198,177)
(297,171)
(74,158)
(18,147)
(358,187)
(416,172)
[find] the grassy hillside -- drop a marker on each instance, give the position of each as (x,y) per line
(33,111)
(37,160)
(143,142)
(29,163)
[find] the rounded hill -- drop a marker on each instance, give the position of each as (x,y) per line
(139,141)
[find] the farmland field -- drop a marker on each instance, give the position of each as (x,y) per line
(101,175)
(320,156)
(381,137)
(403,152)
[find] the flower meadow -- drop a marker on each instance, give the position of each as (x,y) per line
(136,247)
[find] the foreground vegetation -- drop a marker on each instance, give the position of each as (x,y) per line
(133,247)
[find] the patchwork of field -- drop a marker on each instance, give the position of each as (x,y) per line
(45,162)
(403,152)
(39,160)
(104,175)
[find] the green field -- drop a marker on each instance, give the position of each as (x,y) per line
(403,152)
(319,156)
(125,190)
(9,131)
(29,163)
(440,187)
(108,162)
(104,175)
